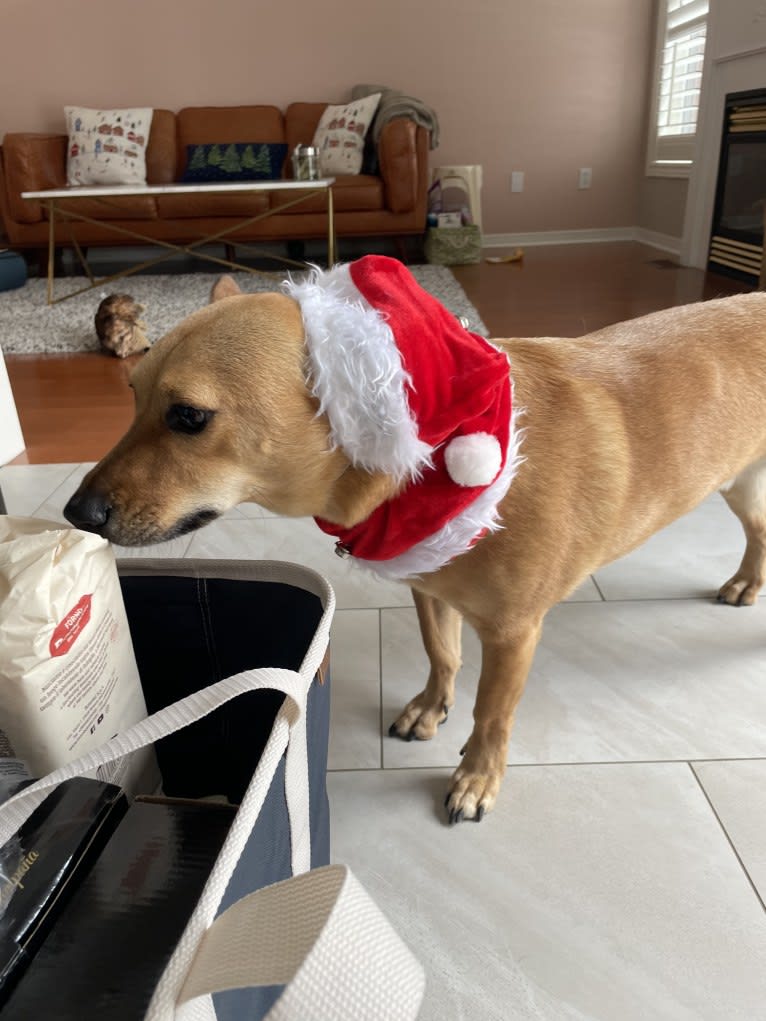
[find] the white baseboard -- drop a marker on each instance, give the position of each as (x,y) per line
(578,237)
(666,242)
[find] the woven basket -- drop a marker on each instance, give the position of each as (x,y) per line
(453,246)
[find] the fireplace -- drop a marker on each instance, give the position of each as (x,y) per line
(737,235)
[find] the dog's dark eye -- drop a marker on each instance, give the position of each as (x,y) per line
(184,418)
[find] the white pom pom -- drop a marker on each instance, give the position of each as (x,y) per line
(473,460)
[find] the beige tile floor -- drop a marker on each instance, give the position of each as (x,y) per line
(622,874)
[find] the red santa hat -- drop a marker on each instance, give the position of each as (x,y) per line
(407,390)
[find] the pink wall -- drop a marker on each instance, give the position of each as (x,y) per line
(543,86)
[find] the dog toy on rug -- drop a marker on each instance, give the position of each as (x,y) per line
(410,392)
(118,326)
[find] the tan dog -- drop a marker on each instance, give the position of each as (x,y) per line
(625,430)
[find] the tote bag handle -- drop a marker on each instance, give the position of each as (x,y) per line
(322,937)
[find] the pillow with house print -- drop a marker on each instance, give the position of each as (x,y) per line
(107,146)
(340,135)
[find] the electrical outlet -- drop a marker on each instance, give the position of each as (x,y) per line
(585,177)
(517,180)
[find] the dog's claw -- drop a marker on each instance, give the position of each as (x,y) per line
(409,736)
(457,815)
(420,719)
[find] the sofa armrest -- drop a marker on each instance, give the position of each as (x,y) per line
(32,162)
(403,159)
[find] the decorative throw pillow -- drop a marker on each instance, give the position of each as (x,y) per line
(236,161)
(340,135)
(107,146)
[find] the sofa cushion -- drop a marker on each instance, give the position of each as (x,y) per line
(352,193)
(403,159)
(340,135)
(107,146)
(301,121)
(32,162)
(118,207)
(161,150)
(237,161)
(202,204)
(203,125)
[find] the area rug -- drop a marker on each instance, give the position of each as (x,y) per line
(29,326)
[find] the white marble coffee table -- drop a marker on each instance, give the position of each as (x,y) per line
(52,197)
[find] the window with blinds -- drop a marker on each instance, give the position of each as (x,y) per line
(678,81)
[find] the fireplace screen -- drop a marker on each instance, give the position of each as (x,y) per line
(736,245)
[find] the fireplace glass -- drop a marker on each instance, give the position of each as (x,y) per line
(736,245)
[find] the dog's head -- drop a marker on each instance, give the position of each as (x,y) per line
(223,415)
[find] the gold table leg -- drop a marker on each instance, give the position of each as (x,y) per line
(51,248)
(330,229)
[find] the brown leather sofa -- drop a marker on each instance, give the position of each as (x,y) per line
(391,202)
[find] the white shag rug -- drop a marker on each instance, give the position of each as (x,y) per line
(30,326)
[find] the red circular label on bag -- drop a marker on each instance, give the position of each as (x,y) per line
(66,633)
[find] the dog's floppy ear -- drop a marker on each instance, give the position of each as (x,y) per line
(224,287)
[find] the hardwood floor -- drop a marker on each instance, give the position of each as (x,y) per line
(75,407)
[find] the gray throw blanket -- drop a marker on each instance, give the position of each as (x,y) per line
(395,104)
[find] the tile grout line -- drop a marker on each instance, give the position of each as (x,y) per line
(598,588)
(56,488)
(726,834)
(611,600)
(552,765)
(380,684)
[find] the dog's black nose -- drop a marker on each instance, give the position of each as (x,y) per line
(88,510)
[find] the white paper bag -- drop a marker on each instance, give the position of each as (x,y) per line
(460,188)
(68,676)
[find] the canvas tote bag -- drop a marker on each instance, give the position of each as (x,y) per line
(318,933)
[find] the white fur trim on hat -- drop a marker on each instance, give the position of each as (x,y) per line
(473,460)
(357,375)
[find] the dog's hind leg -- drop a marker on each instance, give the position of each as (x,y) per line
(505,665)
(440,626)
(746,495)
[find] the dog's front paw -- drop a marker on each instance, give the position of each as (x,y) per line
(474,785)
(419,720)
(471,795)
(740,591)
